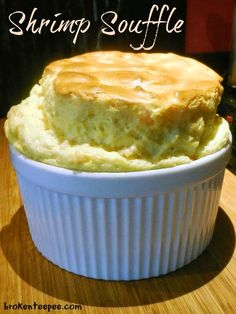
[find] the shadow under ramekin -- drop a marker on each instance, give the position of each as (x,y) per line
(32,267)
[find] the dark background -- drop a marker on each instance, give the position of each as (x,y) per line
(22,58)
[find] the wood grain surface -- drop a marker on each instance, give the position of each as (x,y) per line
(207,285)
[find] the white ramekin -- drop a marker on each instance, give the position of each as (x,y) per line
(121,226)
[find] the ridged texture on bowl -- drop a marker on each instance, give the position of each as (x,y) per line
(122,238)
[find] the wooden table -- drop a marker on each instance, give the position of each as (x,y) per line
(207,285)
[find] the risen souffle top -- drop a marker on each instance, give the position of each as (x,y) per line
(117,111)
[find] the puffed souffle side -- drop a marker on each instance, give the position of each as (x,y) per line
(112,111)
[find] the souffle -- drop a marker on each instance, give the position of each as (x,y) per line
(111,111)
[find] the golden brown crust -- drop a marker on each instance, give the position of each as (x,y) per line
(157,78)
